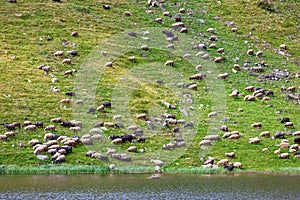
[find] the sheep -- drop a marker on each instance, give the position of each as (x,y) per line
(178,24)
(30,128)
(291,89)
(169,63)
(52,151)
(122,157)
(3,137)
(51,142)
(109,124)
(234,94)
(56,120)
(60,159)
(117,141)
(33,142)
(132,149)
(257,69)
(223,162)
(223,76)
(157,162)
(166,13)
(86,141)
(65,101)
(38,124)
(26,123)
(58,53)
(212,137)
(96,137)
(193,87)
(49,128)
(284,156)
(284,145)
(132,127)
(95,130)
(213,45)
(54,146)
(48,136)
(10,134)
(254,140)
(183,30)
(266,99)
(259,53)
(66,61)
(40,148)
(76,123)
(211,30)
(289,124)
(117,117)
(256,125)
(250,52)
(265,149)
(55,156)
(159,20)
(75,129)
(205,166)
(265,134)
(127,14)
(249,88)
(234,136)
(277,151)
(205,143)
(132,58)
(234,30)
(294,146)
(226,135)
(279,134)
(170,46)
(238,165)
(141,116)
(212,114)
(230,155)
(297,140)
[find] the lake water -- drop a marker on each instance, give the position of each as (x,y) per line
(194,186)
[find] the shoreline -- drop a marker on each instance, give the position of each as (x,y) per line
(101,170)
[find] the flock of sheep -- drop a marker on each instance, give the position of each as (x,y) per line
(59,146)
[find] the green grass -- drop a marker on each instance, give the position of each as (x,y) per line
(24,90)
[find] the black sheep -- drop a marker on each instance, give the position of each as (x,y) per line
(119,125)
(107,104)
(39,124)
(279,135)
(71,94)
(297,140)
(229,167)
(67,124)
(127,137)
(98,124)
(284,120)
(54,137)
(141,139)
(106,7)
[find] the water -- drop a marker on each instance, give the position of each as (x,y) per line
(139,187)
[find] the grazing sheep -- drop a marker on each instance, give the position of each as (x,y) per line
(206,166)
(249,98)
(169,63)
(265,134)
(259,53)
(212,137)
(297,140)
(294,146)
(178,24)
(142,116)
(96,137)
(205,143)
(56,120)
(234,94)
(210,30)
(159,20)
(256,125)
(49,128)
(284,156)
(40,149)
(3,137)
(26,123)
(33,142)
(227,134)
(132,58)
(279,134)
(234,30)
(66,61)
(75,129)
(86,141)
(10,134)
(95,130)
(234,136)
(284,145)
(30,128)
(277,151)
(48,136)
(230,155)
(212,114)
(223,162)
(193,87)
(117,141)
(157,162)
(117,117)
(289,124)
(127,14)
(238,165)
(110,151)
(250,88)
(250,52)
(265,149)
(291,89)
(122,157)
(51,142)
(132,149)
(223,76)
(284,120)
(254,140)
(58,53)
(66,101)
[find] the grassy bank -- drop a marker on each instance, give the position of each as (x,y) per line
(25,90)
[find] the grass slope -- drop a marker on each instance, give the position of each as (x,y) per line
(25,91)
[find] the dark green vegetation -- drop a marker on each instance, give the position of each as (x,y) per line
(25,91)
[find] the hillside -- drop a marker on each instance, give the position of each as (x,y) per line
(138,80)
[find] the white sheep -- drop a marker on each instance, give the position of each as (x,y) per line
(297,133)
(66,61)
(141,116)
(256,125)
(284,156)
(127,14)
(132,149)
(26,123)
(205,143)
(289,124)
(10,134)
(96,137)
(75,129)
(109,124)
(193,87)
(96,130)
(58,53)
(234,136)
(66,101)
(250,88)
(254,140)
(30,128)
(49,128)
(223,162)
(238,165)
(212,114)
(230,155)
(56,120)
(212,137)
(117,117)
(157,162)
(211,30)
(249,98)
(117,141)
(169,63)
(3,137)
(265,134)
(178,24)
(265,149)
(223,76)
(259,53)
